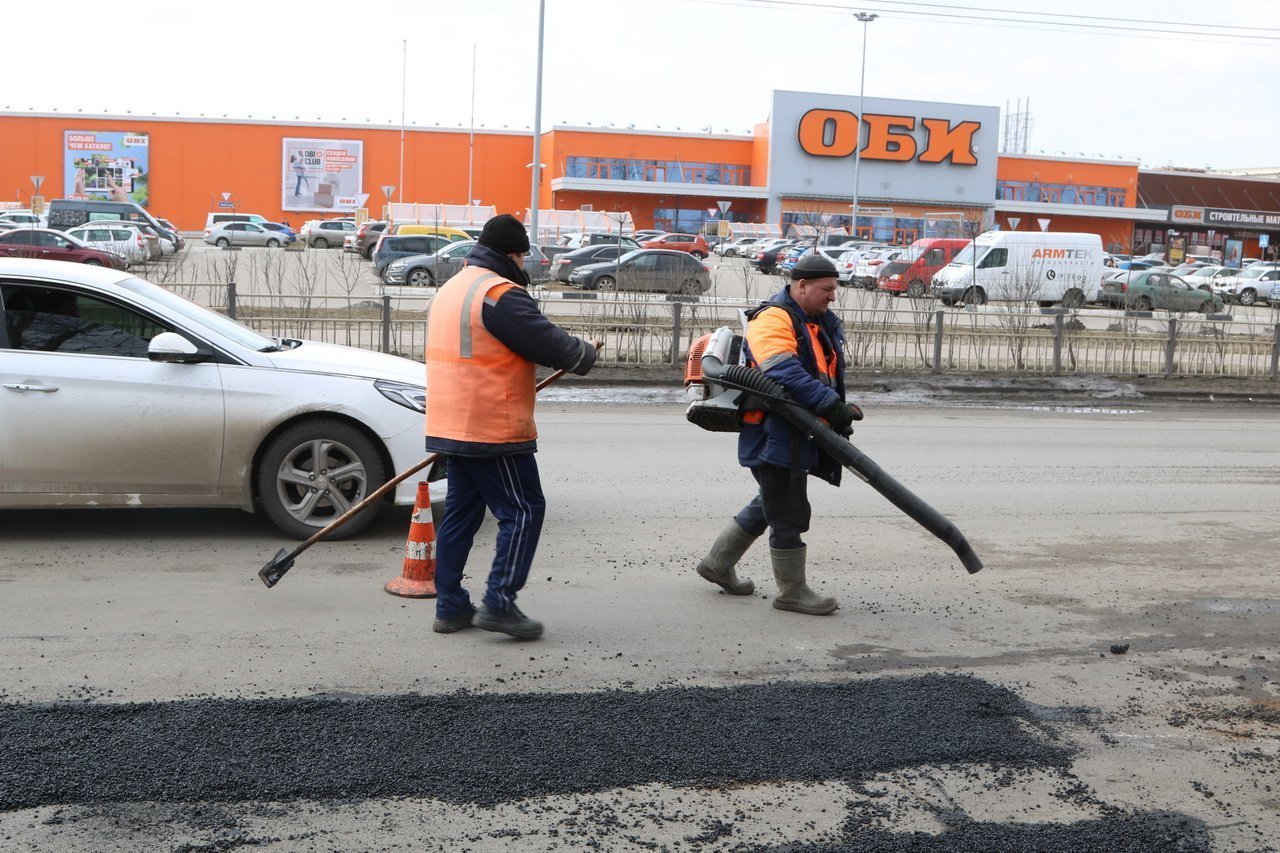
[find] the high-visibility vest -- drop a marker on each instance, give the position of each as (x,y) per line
(478,389)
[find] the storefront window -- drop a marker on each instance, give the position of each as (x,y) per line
(1047,193)
(666,171)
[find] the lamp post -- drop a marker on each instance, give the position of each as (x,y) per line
(537,132)
(865,18)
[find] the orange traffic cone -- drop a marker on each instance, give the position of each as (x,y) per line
(418,578)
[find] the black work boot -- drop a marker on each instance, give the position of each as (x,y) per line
(513,622)
(453,623)
(793,592)
(718,566)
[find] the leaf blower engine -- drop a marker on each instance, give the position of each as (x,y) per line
(714,405)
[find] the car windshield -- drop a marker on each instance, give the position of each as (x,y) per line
(210,319)
(965,257)
(911,255)
(1256,272)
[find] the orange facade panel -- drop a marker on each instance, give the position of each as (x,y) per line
(1082,173)
(191,163)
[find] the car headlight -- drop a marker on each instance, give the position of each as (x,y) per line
(396,265)
(409,396)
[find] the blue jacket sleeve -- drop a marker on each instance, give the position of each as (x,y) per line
(800,386)
(515,320)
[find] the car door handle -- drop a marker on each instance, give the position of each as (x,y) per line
(22,386)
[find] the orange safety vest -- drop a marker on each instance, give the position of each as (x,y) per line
(478,389)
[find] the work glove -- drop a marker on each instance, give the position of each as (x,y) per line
(841,416)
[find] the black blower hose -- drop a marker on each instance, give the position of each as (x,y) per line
(772,395)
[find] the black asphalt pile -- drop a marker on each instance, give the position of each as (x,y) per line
(490,749)
(494,748)
(1118,833)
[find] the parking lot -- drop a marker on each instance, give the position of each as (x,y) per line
(1108,682)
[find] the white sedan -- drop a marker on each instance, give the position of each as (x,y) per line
(116,392)
(127,242)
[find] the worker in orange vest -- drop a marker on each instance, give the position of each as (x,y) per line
(485,337)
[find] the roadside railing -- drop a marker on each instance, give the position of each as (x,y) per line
(651,330)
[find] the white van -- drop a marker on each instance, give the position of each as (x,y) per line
(218,218)
(1033,267)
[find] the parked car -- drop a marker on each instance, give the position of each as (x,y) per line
(766,259)
(579,239)
(1255,283)
(164,403)
(178,240)
(22,217)
(391,247)
(67,213)
(694,244)
(787,258)
(733,248)
(868,266)
(654,270)
(120,238)
(427,269)
(280,228)
(1205,277)
(566,263)
(912,271)
(243,234)
(1146,290)
(323,233)
(157,245)
(47,244)
(366,238)
(646,234)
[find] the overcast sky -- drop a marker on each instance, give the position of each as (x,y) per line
(1200,96)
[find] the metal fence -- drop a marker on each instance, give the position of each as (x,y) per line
(644,330)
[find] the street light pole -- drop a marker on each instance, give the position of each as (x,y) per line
(865,18)
(537,132)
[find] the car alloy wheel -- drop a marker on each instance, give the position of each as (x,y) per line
(974,296)
(315,471)
(605,282)
(93,263)
(321,243)
(1246,297)
(222,242)
(421,278)
(273,244)
(1143,304)
(915,289)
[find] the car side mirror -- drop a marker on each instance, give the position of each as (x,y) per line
(173,348)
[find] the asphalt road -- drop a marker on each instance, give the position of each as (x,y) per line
(154,695)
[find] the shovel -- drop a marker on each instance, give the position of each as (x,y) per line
(282,562)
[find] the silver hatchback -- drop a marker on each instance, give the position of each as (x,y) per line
(226,234)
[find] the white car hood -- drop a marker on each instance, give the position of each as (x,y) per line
(336,360)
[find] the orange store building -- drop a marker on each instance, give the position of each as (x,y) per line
(923,169)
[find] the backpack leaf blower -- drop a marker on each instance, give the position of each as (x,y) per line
(718,383)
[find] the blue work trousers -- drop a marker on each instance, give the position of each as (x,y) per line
(782,506)
(510,488)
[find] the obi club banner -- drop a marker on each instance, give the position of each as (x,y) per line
(322,174)
(107,165)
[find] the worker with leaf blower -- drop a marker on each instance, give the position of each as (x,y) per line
(485,337)
(799,344)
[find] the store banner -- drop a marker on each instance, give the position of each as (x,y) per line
(322,174)
(107,165)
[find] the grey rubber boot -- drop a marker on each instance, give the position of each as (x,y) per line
(793,592)
(718,566)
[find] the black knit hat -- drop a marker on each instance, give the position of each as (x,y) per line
(505,234)
(813,266)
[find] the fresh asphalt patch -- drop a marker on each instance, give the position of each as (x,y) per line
(489,749)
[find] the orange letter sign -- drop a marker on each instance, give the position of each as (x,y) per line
(886,143)
(950,143)
(828,133)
